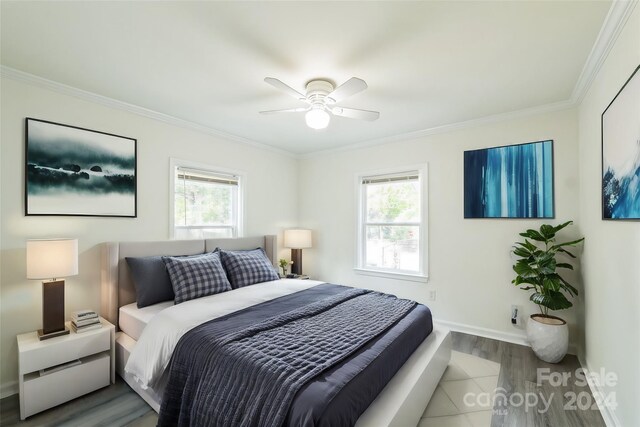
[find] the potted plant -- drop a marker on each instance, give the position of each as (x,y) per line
(536,270)
(283,265)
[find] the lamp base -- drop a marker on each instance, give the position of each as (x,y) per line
(296,257)
(53,310)
(43,336)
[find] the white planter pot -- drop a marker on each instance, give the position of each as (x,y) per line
(548,337)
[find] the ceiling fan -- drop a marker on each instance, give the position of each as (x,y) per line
(322,96)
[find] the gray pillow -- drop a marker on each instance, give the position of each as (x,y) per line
(246,268)
(197,276)
(151,280)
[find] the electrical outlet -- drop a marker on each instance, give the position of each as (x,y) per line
(431,296)
(516,315)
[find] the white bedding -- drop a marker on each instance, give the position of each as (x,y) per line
(132,320)
(153,351)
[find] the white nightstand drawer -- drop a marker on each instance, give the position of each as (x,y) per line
(44,354)
(95,349)
(44,392)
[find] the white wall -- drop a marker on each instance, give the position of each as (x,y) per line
(469,259)
(612,252)
(270,206)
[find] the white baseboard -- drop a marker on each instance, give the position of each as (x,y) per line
(515,338)
(9,388)
(609,416)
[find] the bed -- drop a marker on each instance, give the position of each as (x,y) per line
(401,400)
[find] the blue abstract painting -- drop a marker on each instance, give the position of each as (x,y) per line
(621,153)
(515,181)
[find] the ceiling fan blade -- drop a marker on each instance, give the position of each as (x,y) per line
(285,88)
(348,88)
(354,113)
(288,110)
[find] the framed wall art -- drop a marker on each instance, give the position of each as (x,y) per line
(75,171)
(515,181)
(621,153)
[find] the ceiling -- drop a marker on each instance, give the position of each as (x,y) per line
(427,64)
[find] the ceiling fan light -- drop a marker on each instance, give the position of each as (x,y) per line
(317,118)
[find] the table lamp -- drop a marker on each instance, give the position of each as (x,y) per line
(52,259)
(297,239)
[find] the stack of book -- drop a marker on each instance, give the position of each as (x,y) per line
(85,320)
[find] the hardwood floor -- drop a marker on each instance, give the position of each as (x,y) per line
(118,405)
(518,377)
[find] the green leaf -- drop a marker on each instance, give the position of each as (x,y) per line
(528,245)
(566,252)
(533,235)
(523,269)
(561,226)
(543,257)
(571,243)
(522,252)
(553,300)
(551,283)
(547,266)
(547,231)
(564,265)
(568,287)
(519,280)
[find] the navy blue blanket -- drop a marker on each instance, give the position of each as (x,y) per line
(212,361)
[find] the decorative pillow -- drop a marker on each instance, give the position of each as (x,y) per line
(151,280)
(197,276)
(246,268)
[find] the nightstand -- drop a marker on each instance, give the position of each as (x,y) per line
(56,370)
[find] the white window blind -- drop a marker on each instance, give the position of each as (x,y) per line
(188,174)
(408,176)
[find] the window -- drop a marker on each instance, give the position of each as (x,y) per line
(206,203)
(392,226)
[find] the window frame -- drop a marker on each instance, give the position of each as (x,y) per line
(238,209)
(361,224)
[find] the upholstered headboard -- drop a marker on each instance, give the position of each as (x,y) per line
(117,285)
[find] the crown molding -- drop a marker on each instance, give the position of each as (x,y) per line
(451,127)
(84,95)
(614,22)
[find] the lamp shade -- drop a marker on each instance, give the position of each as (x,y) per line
(297,238)
(52,258)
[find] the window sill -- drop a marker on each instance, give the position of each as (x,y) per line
(390,275)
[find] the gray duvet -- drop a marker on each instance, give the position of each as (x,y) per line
(250,376)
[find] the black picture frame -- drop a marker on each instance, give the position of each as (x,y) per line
(74,171)
(616,202)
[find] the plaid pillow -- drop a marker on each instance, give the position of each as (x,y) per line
(246,268)
(196,276)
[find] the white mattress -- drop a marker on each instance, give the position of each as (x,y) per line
(133,320)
